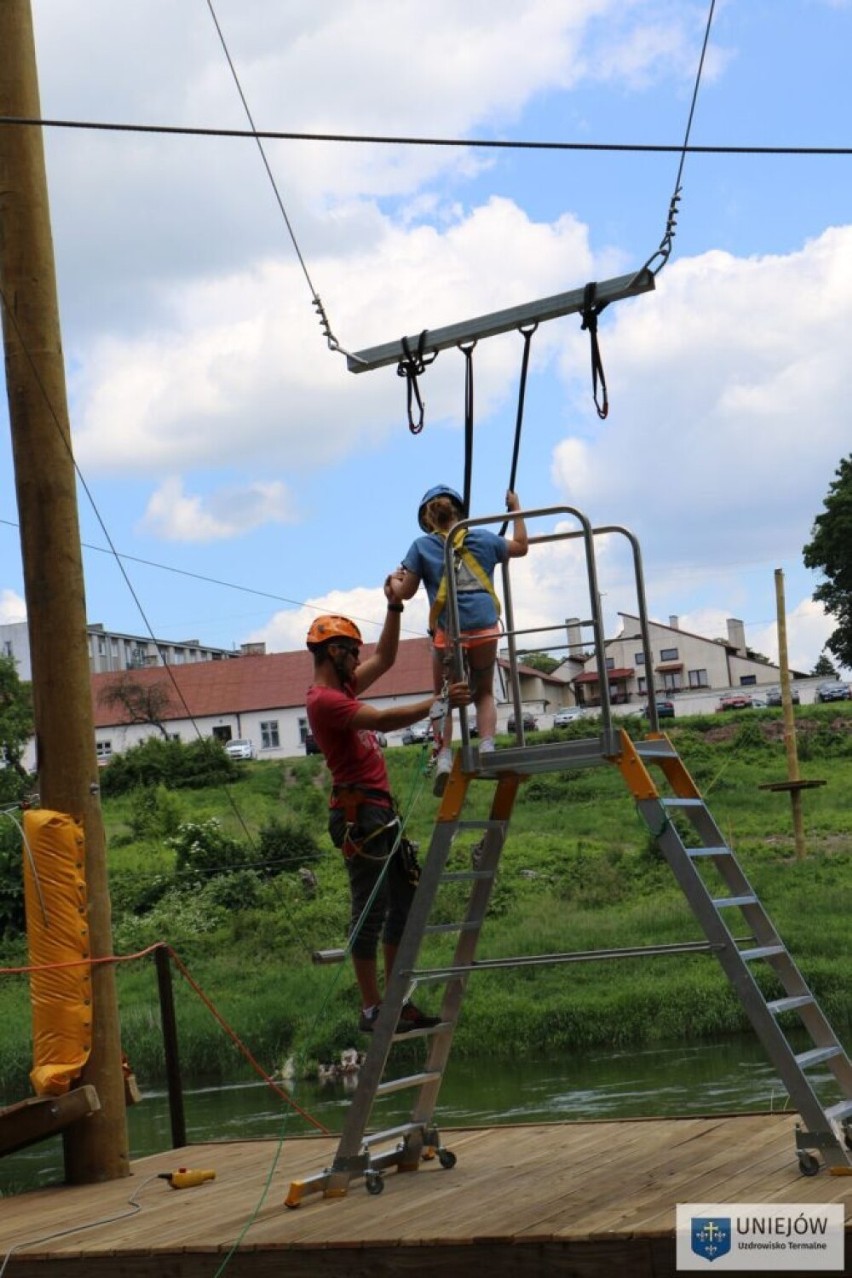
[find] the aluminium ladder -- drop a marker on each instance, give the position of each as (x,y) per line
(703,865)
(826,1129)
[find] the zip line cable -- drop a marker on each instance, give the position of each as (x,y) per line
(325,324)
(664,251)
(385,139)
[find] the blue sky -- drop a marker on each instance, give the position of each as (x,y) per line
(222,439)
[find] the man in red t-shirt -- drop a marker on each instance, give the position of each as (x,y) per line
(362,816)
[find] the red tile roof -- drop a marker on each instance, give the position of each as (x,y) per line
(275,682)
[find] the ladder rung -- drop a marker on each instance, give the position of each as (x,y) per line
(472,925)
(762,951)
(410,1080)
(392,1133)
(720,851)
(321,957)
(779,1005)
(728,902)
(839,1111)
(818,1054)
(655,749)
(682,803)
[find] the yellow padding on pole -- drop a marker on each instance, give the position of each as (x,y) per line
(57,933)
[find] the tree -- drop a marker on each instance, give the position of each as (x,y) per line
(824,668)
(830,552)
(16,724)
(539,661)
(141,702)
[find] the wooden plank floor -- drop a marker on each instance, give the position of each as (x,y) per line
(583,1199)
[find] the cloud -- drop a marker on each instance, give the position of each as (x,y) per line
(12,608)
(174,515)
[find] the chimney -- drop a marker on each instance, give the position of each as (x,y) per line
(575,637)
(736,635)
(253,649)
(674,623)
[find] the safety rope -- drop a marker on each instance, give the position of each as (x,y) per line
(527,334)
(591,311)
(411,367)
(467,351)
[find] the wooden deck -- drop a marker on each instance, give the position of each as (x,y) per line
(585,1199)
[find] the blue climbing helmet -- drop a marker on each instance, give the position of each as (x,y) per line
(440,490)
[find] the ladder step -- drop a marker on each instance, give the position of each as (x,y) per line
(779,1005)
(410,1080)
(436,929)
(391,1133)
(720,851)
(682,803)
(728,902)
(818,1054)
(762,951)
(839,1111)
(655,749)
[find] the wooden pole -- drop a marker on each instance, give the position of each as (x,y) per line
(45,481)
(789,720)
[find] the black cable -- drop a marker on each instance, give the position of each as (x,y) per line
(467,350)
(527,334)
(364,139)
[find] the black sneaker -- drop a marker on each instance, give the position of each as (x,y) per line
(411,1018)
(367,1022)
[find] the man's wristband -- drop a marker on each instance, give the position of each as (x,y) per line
(397,607)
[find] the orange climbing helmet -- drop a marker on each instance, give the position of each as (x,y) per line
(329,627)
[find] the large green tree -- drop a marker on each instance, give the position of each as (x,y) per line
(16,722)
(830,552)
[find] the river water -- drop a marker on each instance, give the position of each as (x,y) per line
(703,1078)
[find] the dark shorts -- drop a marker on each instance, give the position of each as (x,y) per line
(386,914)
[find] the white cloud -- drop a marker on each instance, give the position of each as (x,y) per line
(174,515)
(12,608)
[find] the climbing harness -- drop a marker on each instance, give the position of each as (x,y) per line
(356,840)
(470,575)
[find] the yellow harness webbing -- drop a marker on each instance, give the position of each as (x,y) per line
(461,551)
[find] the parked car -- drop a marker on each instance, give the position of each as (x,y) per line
(759,703)
(529,721)
(239,749)
(736,701)
(773,697)
(665,710)
(570,714)
(832,690)
(311,746)
(417,733)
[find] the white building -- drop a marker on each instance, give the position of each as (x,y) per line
(112,650)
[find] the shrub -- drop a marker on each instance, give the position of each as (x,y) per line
(155,813)
(285,845)
(168,763)
(203,850)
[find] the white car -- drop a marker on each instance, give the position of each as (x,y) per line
(239,749)
(570,715)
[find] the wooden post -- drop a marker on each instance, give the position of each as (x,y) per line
(45,481)
(789,719)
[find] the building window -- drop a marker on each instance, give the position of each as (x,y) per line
(747,680)
(671,680)
(269,735)
(103,750)
(638,658)
(698,679)
(668,654)
(7,648)
(610,663)
(642,684)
